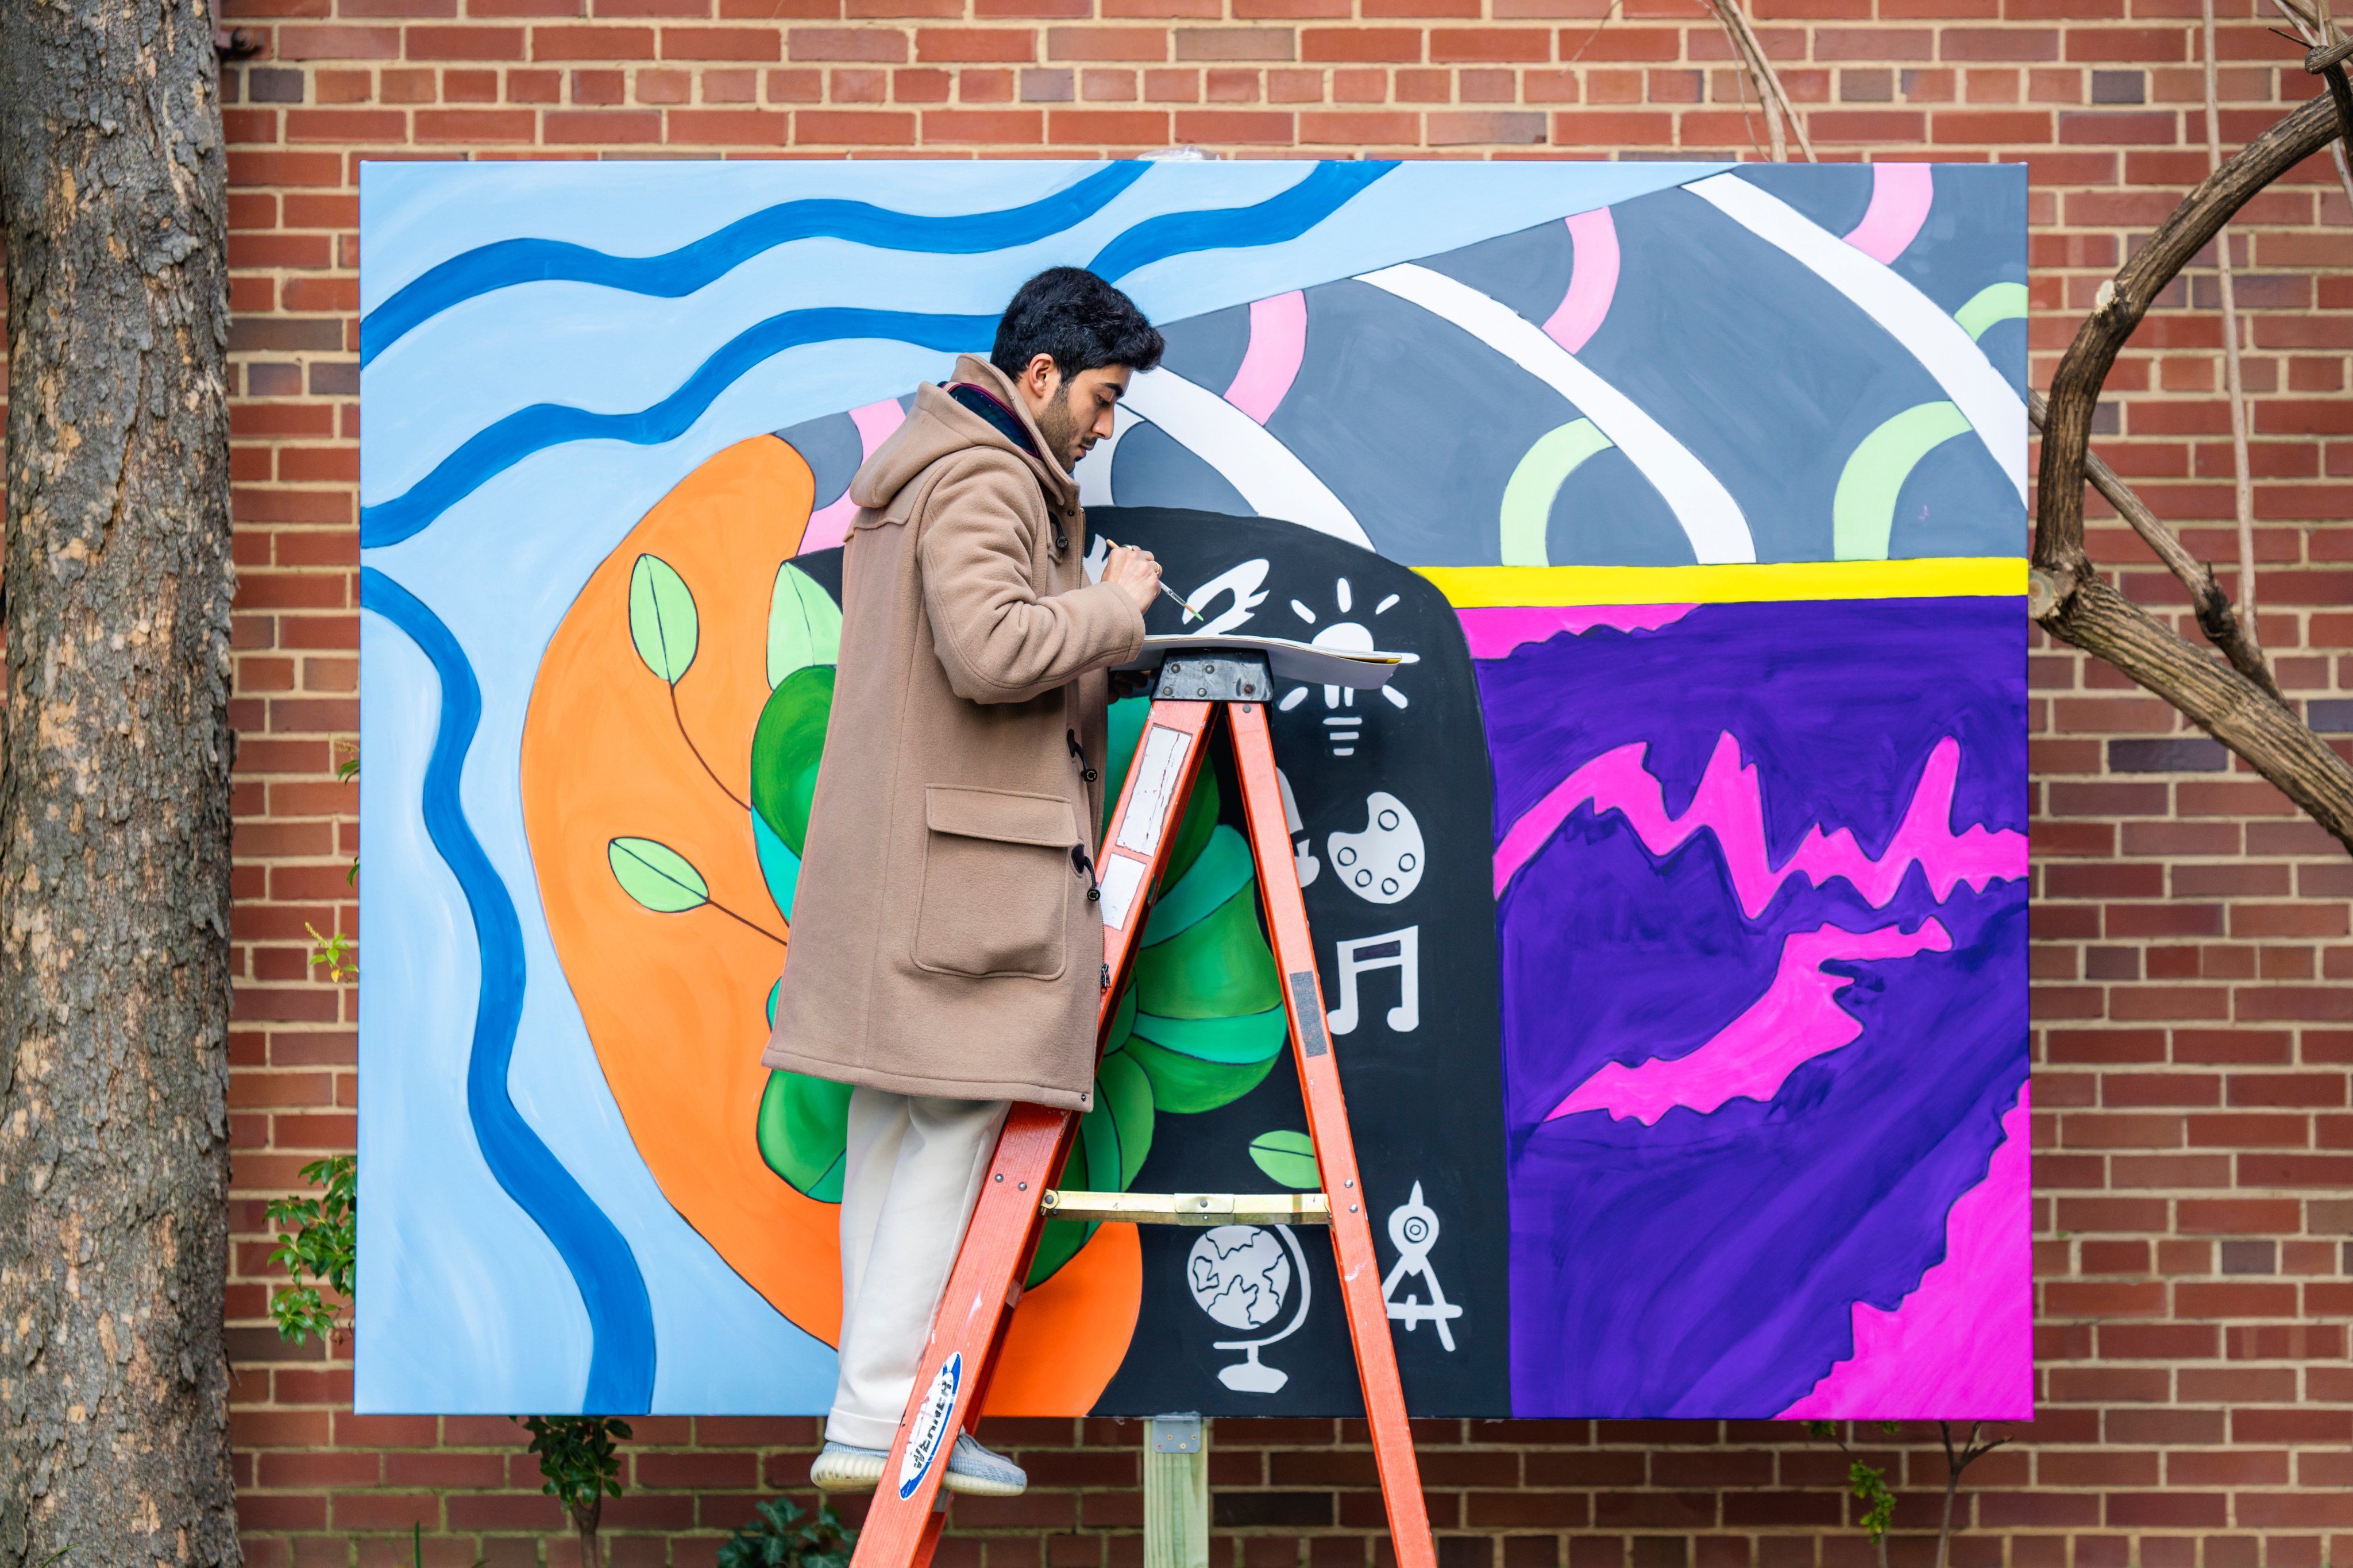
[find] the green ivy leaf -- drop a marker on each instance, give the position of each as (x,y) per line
(1287,1157)
(657,875)
(803,625)
(662,621)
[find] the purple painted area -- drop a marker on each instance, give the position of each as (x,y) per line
(1711,1263)
(1493,631)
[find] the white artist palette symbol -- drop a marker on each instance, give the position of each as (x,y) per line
(1383,864)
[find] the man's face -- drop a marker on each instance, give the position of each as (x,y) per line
(1072,415)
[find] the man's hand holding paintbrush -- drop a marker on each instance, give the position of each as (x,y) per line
(1139,574)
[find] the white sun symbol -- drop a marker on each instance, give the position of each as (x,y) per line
(1343,724)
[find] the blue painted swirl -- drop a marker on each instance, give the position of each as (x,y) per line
(676,273)
(505,442)
(1284,215)
(620,1314)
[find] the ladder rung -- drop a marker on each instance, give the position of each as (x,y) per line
(1190,1208)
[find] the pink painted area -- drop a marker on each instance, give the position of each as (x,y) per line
(1592,280)
(1961,1344)
(1797,1019)
(1494,631)
(1278,341)
(830,524)
(1900,195)
(1729,804)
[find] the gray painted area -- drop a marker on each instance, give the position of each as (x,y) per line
(1835,196)
(1149,469)
(1769,377)
(1414,423)
(1208,350)
(1608,514)
(1942,510)
(831,447)
(1529,270)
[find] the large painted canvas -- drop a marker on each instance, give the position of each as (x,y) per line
(1671,908)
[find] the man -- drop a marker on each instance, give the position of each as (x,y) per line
(947,943)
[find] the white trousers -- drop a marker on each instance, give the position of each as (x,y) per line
(910,1178)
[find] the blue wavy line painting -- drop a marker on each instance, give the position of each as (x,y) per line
(1674,928)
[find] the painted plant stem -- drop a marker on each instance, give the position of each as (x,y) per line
(680,719)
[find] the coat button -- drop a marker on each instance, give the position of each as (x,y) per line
(1088,774)
(1093,893)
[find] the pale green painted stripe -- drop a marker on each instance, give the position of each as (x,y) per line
(1221,870)
(1994,303)
(1528,496)
(1862,513)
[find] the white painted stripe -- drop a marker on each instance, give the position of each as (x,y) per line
(1943,349)
(1710,519)
(1269,475)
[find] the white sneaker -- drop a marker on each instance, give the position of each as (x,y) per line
(976,1472)
(838,1467)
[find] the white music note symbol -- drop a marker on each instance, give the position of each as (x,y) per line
(1397,950)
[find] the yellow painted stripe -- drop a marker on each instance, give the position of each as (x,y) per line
(1472,587)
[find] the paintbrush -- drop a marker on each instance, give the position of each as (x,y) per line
(1191,614)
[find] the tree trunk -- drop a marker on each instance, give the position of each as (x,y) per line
(114,790)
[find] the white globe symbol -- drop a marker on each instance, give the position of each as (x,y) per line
(1239,1275)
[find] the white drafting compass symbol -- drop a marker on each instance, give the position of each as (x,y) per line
(1413,1229)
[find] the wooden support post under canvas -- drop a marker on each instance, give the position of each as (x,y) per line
(1176,1493)
(909,1508)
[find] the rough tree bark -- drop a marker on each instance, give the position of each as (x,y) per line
(2067,592)
(114,790)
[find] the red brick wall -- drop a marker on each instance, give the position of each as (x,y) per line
(2194,1142)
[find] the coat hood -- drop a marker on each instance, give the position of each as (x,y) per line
(938,426)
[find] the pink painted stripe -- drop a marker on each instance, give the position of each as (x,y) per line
(1797,1019)
(1592,280)
(1278,341)
(1493,631)
(1731,805)
(1900,195)
(1961,1345)
(830,524)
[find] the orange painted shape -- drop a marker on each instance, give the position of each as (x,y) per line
(675,1005)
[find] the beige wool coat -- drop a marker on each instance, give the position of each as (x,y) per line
(943,939)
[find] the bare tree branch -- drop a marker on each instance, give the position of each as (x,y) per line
(2212,607)
(2244,484)
(2066,594)
(1768,82)
(2302,22)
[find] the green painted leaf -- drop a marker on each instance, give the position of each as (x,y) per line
(787,744)
(804,624)
(657,875)
(662,620)
(1185,1085)
(1214,968)
(1220,869)
(1287,1157)
(805,1133)
(1114,1139)
(1235,1039)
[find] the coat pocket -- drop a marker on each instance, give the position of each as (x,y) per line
(997,877)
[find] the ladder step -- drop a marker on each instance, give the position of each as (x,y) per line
(1188,1208)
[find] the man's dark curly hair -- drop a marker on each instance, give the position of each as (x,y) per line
(1077,319)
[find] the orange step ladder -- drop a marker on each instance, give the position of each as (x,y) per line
(902,1527)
